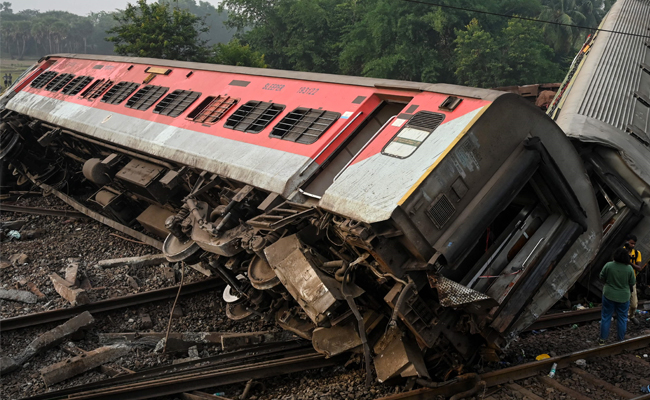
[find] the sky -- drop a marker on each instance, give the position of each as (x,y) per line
(80,7)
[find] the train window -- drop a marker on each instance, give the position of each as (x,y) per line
(76,85)
(253,116)
(59,82)
(43,79)
(96,89)
(304,125)
(175,103)
(119,92)
(212,109)
(146,96)
(411,136)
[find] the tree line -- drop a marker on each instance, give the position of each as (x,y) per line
(395,39)
(33,34)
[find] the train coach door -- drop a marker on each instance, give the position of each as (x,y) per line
(324,176)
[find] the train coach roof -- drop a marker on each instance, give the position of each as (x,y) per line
(445,88)
(608,99)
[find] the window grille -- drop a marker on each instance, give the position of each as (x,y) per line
(411,136)
(304,125)
(59,82)
(76,85)
(146,96)
(175,103)
(212,109)
(43,79)
(119,92)
(253,116)
(441,211)
(96,89)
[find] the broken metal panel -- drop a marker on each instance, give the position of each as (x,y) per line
(296,266)
(343,337)
(398,355)
(452,294)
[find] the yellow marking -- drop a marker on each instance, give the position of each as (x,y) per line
(443,155)
(158,70)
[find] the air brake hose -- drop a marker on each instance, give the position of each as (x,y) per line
(400,301)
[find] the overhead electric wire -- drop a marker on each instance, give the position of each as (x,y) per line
(525,18)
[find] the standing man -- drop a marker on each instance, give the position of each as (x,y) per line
(635,262)
(618,277)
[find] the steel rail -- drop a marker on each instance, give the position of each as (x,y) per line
(235,358)
(40,211)
(524,370)
(571,317)
(174,384)
(35,319)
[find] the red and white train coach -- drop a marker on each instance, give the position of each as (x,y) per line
(420,224)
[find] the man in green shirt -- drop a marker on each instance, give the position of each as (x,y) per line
(618,277)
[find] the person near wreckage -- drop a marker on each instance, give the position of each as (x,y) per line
(619,279)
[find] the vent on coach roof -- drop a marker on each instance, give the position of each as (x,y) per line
(59,82)
(441,211)
(43,79)
(119,92)
(212,109)
(96,89)
(253,116)
(146,96)
(304,125)
(175,103)
(412,134)
(76,85)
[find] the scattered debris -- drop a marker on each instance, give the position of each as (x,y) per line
(201,396)
(112,370)
(132,282)
(169,273)
(32,234)
(177,312)
(19,259)
(199,267)
(49,339)
(71,272)
(76,365)
(18,295)
(152,259)
(145,321)
(74,295)
(34,289)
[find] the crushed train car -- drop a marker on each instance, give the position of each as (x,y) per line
(420,225)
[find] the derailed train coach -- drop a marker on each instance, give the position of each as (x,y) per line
(420,226)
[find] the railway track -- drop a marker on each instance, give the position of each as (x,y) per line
(40,211)
(240,366)
(490,384)
(116,303)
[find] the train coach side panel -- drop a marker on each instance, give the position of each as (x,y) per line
(267,168)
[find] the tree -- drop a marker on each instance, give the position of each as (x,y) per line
(516,55)
(234,53)
(155,30)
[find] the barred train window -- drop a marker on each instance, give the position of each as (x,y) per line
(43,79)
(76,85)
(59,82)
(175,103)
(119,92)
(96,89)
(304,125)
(212,109)
(146,96)
(411,136)
(253,116)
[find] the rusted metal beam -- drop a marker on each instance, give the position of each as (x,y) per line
(66,369)
(23,321)
(143,261)
(51,338)
(72,294)
(85,211)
